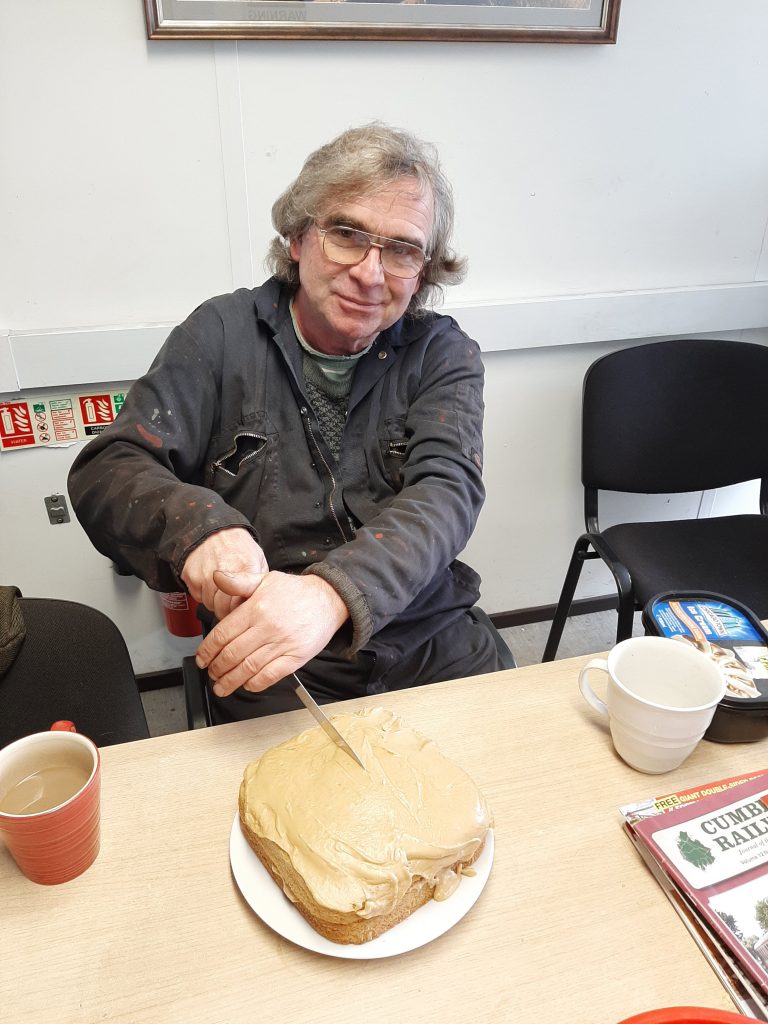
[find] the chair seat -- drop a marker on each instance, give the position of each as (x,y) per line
(727,555)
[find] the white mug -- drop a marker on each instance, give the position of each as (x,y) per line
(661,697)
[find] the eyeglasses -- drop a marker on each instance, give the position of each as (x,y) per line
(350,246)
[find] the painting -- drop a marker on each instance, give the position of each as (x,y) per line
(524,21)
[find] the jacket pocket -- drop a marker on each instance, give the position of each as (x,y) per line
(246,446)
(243,469)
(393,445)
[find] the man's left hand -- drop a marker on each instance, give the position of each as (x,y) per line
(285,621)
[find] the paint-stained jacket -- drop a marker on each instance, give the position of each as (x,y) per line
(220,433)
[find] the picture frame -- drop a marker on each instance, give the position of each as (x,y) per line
(524,21)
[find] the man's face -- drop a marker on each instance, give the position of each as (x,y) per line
(341,309)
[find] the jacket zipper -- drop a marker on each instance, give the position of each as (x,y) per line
(334,486)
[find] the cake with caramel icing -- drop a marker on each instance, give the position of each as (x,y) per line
(357,851)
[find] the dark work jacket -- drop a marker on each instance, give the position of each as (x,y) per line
(220,433)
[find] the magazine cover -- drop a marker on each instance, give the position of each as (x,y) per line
(715,850)
(654,805)
(746,994)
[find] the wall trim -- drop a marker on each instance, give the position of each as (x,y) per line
(85,355)
(613,316)
(122,352)
(546,612)
(7,366)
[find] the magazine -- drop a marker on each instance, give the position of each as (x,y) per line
(656,805)
(717,914)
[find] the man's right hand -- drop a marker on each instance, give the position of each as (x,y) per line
(233,552)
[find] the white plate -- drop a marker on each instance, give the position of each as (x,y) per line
(266,898)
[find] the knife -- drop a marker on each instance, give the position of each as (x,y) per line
(325,723)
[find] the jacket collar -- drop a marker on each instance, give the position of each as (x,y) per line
(271,301)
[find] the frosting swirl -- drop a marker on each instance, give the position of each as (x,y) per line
(359,838)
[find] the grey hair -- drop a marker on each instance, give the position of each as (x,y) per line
(357,164)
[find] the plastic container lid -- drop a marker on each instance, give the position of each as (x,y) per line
(733,636)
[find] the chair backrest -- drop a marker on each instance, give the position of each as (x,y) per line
(73,665)
(674,416)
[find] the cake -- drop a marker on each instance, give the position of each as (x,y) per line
(357,851)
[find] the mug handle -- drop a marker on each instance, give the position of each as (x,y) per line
(597,664)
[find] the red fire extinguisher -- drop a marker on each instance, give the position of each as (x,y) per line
(180,612)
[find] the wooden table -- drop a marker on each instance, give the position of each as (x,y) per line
(570,928)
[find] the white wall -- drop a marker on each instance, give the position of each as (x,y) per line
(604,194)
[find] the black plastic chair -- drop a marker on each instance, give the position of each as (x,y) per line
(73,665)
(197,690)
(667,418)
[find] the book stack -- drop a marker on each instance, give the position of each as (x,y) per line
(708,850)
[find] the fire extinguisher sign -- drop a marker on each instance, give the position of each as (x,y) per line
(96,413)
(42,422)
(16,425)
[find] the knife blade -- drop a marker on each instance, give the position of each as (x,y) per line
(325,723)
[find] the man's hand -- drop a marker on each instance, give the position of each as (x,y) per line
(232,551)
(284,622)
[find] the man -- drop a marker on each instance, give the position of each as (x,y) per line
(305,457)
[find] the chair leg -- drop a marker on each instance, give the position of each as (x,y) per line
(195,694)
(566,598)
(624,589)
(626,615)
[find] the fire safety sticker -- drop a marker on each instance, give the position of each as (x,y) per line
(41,422)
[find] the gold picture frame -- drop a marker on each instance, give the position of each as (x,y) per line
(524,21)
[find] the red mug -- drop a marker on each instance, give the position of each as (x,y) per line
(50,804)
(685,1015)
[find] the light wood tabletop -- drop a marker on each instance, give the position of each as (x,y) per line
(570,927)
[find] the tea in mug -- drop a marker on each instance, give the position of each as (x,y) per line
(44,788)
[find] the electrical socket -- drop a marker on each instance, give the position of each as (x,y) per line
(56,507)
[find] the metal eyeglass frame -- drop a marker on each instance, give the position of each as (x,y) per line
(373,245)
